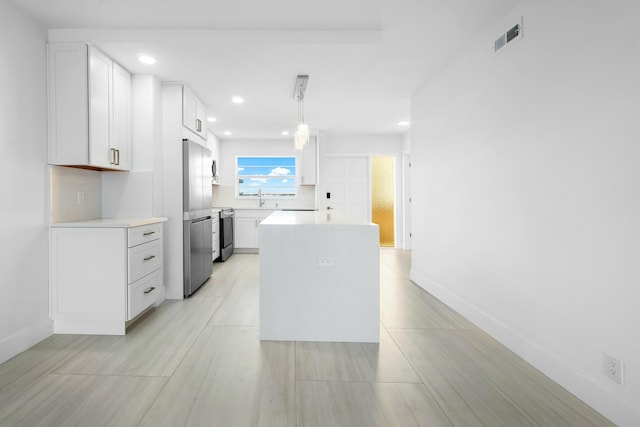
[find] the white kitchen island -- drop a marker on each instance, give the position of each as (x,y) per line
(319,278)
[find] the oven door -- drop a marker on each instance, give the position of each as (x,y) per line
(226,231)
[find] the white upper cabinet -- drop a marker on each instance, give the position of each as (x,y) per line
(100,78)
(89,108)
(194,113)
(121,136)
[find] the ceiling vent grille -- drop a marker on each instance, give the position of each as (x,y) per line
(514,33)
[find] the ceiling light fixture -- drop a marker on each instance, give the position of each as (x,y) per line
(146,59)
(404,123)
(301,137)
(285,132)
(227,133)
(237,100)
(211,119)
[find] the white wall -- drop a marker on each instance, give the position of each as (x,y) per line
(526,193)
(368,145)
(24,312)
(224,194)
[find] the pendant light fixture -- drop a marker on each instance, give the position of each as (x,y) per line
(301,137)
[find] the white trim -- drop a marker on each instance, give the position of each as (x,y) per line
(25,339)
(574,380)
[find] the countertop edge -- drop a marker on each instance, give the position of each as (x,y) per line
(109,223)
(314,218)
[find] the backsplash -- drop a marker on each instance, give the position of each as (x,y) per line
(225,196)
(69,186)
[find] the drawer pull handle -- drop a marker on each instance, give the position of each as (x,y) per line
(149,233)
(150,289)
(150,257)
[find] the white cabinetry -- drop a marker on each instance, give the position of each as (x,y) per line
(245,233)
(215,236)
(89,100)
(194,113)
(309,170)
(121,140)
(102,277)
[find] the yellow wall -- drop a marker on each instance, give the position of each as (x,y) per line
(382,197)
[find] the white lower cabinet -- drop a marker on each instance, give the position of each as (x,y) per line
(246,223)
(143,293)
(215,236)
(102,277)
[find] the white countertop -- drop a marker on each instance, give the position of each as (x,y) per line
(312,218)
(110,222)
(268,208)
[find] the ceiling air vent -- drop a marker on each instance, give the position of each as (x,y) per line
(514,33)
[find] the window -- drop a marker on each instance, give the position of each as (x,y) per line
(275,177)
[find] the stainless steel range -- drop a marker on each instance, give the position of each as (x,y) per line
(226,233)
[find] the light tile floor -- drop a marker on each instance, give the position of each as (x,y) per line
(199,362)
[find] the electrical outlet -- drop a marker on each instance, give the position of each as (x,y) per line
(613,368)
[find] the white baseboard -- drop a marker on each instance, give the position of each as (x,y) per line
(618,410)
(22,340)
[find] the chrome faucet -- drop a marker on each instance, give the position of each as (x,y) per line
(261,201)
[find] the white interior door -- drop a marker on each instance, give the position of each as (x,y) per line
(347,182)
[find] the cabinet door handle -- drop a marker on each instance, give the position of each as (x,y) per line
(150,257)
(117,157)
(148,233)
(149,289)
(199,125)
(113,156)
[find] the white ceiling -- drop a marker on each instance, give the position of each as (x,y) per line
(364,57)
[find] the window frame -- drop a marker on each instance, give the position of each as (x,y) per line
(268,196)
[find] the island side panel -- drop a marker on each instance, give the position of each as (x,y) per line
(303,301)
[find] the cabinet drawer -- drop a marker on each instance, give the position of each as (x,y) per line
(143,259)
(143,293)
(144,233)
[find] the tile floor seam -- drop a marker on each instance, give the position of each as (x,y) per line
(295,380)
(358,382)
(83,374)
(205,325)
(433,397)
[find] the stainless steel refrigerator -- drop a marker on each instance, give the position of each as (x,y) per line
(196,180)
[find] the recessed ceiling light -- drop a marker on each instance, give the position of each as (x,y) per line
(404,123)
(227,133)
(237,100)
(211,119)
(146,59)
(285,132)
